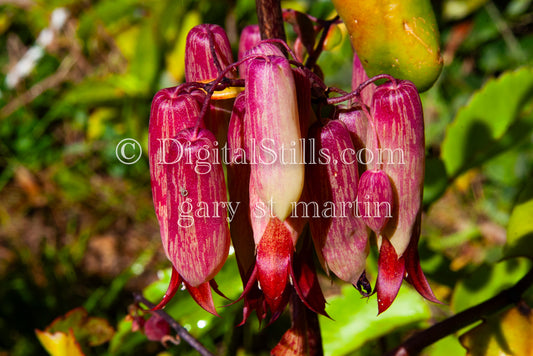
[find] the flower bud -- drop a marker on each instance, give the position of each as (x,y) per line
(250,37)
(199,239)
(156,328)
(272,110)
(374,198)
(171,112)
(207,52)
(200,64)
(399,123)
(340,237)
(261,48)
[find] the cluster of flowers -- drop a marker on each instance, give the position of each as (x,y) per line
(282,100)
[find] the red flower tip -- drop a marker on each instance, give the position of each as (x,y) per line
(175,281)
(391,270)
(274,257)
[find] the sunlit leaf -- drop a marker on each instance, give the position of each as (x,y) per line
(487,281)
(93,91)
(59,343)
(445,347)
(65,335)
(476,133)
(508,333)
(520,227)
(355,322)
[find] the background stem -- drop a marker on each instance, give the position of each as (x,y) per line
(180,330)
(510,296)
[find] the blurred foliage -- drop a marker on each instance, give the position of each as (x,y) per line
(509,333)
(77,227)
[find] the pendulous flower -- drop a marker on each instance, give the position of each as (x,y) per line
(399,126)
(340,237)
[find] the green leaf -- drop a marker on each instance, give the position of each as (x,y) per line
(355,320)
(435,182)
(146,59)
(479,129)
(93,91)
(520,227)
(487,281)
(445,347)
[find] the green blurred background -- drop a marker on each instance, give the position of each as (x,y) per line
(77,227)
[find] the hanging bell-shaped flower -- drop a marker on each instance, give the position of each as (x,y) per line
(399,124)
(374,199)
(173,110)
(340,237)
(276,153)
(207,51)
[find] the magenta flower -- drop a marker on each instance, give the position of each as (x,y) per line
(340,237)
(173,110)
(207,52)
(374,198)
(399,126)
(176,169)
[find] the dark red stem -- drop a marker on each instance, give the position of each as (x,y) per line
(214,52)
(356,92)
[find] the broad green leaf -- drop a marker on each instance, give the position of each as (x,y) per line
(355,322)
(487,281)
(507,333)
(478,131)
(520,227)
